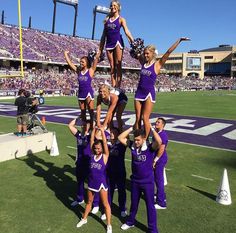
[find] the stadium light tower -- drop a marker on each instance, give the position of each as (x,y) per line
(73,3)
(2,22)
(98,9)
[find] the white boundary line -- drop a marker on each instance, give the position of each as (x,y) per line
(202,177)
(209,147)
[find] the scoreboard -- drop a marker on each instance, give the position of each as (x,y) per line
(193,63)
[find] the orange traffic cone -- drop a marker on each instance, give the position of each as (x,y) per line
(43,120)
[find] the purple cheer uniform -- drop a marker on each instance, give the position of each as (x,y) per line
(85,86)
(96,199)
(142,181)
(97,174)
(82,163)
(122,98)
(116,173)
(159,172)
(146,85)
(113,36)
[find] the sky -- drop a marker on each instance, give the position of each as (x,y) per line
(208,23)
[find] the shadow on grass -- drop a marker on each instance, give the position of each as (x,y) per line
(209,195)
(116,212)
(62,185)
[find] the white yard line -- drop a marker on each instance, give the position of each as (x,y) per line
(72,147)
(209,147)
(129,160)
(202,177)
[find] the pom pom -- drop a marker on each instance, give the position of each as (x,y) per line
(92,54)
(137,47)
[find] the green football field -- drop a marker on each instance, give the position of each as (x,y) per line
(36,191)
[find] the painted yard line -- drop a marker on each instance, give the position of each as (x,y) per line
(209,147)
(129,160)
(72,147)
(202,177)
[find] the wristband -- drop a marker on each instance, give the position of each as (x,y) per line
(156,159)
(130,129)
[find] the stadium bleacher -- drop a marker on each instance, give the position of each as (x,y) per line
(44,46)
(40,46)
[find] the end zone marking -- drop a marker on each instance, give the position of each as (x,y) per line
(202,177)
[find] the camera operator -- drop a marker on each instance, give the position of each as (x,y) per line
(31,103)
(22,113)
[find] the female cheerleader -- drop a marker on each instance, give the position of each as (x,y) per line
(145,95)
(114,42)
(85,74)
(116,102)
(97,180)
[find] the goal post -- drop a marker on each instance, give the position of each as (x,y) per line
(21,74)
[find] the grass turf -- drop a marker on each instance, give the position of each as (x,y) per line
(36,191)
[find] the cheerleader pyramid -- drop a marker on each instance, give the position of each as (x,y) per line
(101,146)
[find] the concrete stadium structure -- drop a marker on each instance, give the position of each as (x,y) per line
(219,61)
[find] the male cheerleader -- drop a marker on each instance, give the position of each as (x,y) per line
(142,178)
(159,164)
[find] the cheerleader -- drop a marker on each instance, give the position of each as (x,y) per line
(116,102)
(159,164)
(85,94)
(114,42)
(145,95)
(142,178)
(97,180)
(82,158)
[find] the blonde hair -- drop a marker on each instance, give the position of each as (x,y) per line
(118,4)
(109,14)
(104,86)
(152,49)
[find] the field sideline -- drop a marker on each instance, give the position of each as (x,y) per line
(36,191)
